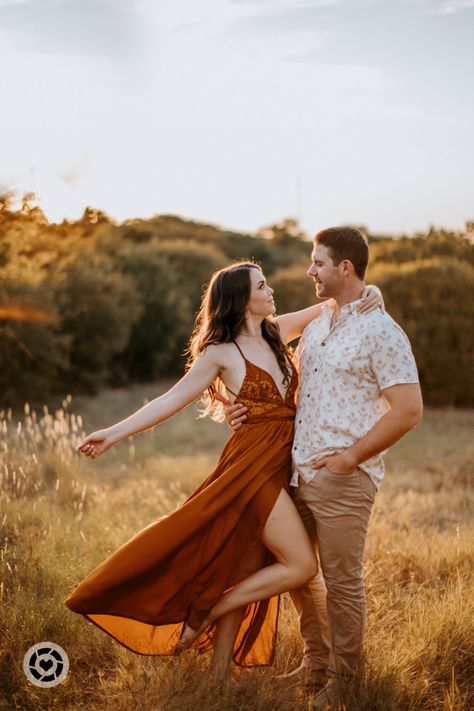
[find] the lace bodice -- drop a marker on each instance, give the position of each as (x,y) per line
(260,394)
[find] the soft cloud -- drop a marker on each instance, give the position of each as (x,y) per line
(110,28)
(450,7)
(308,8)
(55,104)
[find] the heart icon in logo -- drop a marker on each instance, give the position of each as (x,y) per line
(45,664)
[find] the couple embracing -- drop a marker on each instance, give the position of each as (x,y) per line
(288,504)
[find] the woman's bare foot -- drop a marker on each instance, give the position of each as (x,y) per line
(188,636)
(229,682)
(221,677)
(219,674)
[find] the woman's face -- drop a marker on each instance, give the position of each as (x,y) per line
(261,295)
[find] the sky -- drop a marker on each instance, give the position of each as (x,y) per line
(242,112)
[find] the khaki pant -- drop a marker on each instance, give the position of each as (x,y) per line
(335,509)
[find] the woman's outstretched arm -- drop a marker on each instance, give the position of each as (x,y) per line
(293,324)
(191,386)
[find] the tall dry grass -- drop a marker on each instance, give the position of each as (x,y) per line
(61,515)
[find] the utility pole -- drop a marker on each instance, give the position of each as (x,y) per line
(299,199)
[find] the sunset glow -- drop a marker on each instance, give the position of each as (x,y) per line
(242,112)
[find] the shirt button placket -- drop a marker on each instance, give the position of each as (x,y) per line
(318,368)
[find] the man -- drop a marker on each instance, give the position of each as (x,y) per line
(359,393)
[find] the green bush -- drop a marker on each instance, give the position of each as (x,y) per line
(437,243)
(433,301)
(168,278)
(113,303)
(33,350)
(98,307)
(294,290)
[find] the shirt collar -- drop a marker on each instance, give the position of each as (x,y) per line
(349,308)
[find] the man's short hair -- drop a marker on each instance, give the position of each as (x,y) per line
(345,243)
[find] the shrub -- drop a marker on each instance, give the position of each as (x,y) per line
(433,301)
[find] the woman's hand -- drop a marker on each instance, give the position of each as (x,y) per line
(371,299)
(96,443)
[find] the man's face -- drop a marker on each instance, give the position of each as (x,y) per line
(327,277)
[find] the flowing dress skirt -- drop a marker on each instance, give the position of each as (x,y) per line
(175,570)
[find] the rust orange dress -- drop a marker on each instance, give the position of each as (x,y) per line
(177,568)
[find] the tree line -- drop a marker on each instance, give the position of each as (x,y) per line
(92,303)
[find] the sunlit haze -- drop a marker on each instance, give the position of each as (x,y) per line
(242,112)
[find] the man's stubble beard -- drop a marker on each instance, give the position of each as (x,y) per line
(321,293)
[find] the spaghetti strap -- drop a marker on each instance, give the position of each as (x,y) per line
(245,359)
(240,350)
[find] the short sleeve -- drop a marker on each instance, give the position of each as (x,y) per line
(297,353)
(393,362)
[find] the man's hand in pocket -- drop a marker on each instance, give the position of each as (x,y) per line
(341,463)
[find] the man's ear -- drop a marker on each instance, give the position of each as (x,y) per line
(347,267)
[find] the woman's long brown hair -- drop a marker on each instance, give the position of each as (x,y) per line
(220,320)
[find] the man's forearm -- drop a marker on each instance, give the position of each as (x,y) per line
(388,430)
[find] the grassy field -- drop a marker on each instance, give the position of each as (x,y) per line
(61,515)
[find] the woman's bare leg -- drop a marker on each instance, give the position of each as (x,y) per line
(227,627)
(285,536)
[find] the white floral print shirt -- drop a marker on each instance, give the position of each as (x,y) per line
(343,371)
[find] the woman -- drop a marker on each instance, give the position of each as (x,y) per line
(208,575)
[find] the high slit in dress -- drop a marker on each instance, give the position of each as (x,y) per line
(173,571)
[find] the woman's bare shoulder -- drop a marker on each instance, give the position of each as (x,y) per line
(222,354)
